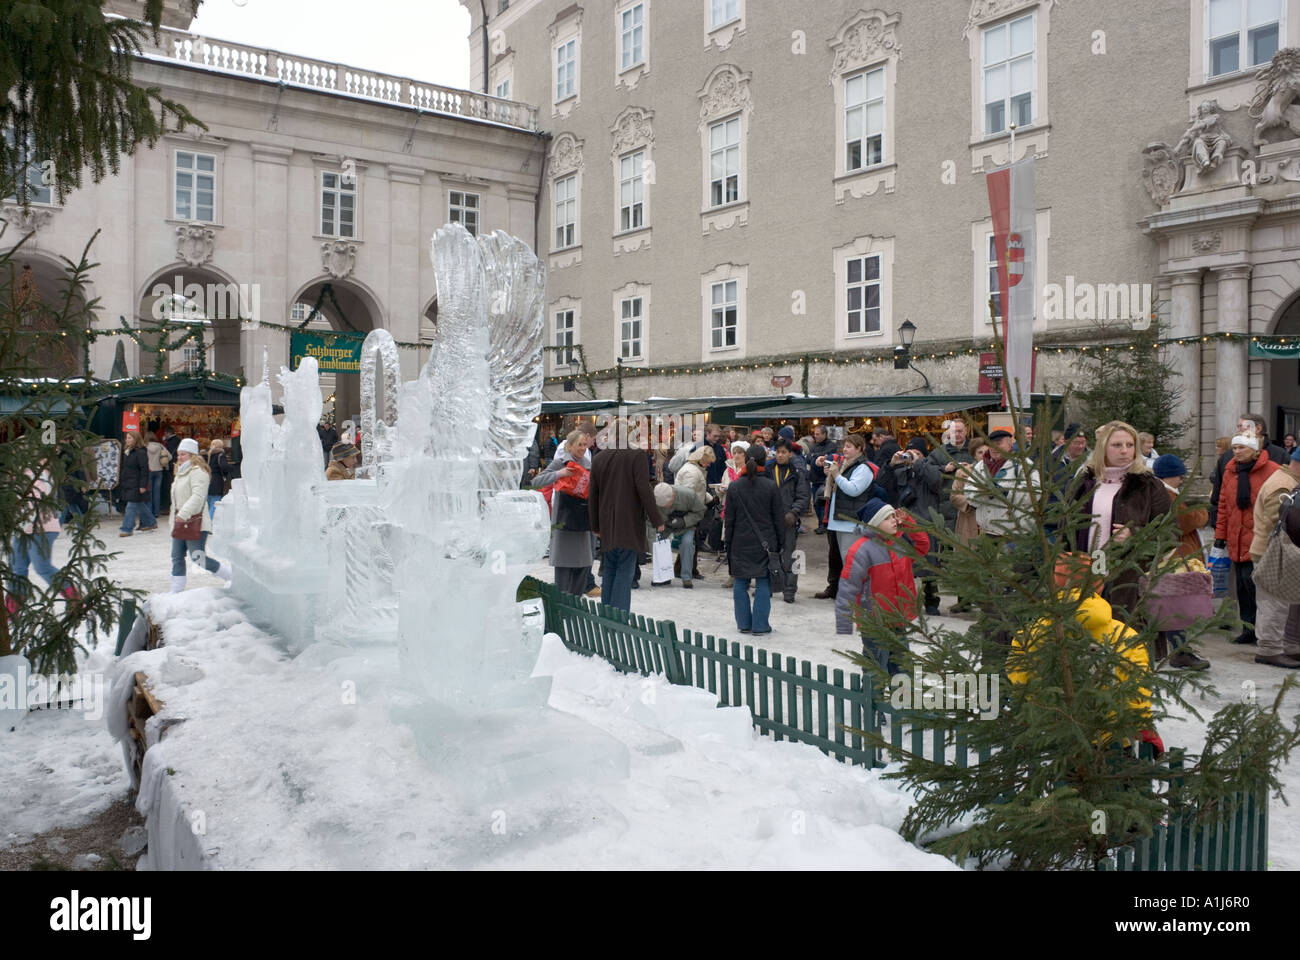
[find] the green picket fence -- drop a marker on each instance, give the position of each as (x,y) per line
(807,703)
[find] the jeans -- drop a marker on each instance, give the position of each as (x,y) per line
(212,506)
(155,490)
(753,619)
(880,655)
(1245,596)
(33,551)
(137,508)
(195,548)
(686,553)
(617,566)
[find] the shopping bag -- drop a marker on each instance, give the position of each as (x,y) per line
(662,557)
(576,483)
(1219,566)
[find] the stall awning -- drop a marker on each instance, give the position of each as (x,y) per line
(856,408)
(550,407)
(713,406)
(181,389)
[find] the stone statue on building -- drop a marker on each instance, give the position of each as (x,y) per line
(1274,102)
(1206,140)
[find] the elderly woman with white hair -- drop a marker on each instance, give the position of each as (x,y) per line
(189,500)
(1234,527)
(571,554)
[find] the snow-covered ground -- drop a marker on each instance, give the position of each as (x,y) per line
(59,768)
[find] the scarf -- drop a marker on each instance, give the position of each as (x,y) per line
(1243,483)
(993,463)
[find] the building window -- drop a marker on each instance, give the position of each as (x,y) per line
(338,205)
(1242,34)
(723,315)
(862,294)
(631,191)
(464,210)
(723,11)
(565,332)
(630,328)
(503,89)
(632,37)
(566,212)
(724,162)
(1009,75)
(299,312)
(864,120)
(196,186)
(34,177)
(991,288)
(566,70)
(191,364)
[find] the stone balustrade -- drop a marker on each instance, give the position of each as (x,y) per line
(182,47)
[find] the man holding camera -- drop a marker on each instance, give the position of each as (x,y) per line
(920,484)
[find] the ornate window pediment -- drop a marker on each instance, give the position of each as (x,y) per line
(985,11)
(866,37)
(634,128)
(566,155)
(725,91)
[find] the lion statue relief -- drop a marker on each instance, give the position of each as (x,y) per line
(1278,88)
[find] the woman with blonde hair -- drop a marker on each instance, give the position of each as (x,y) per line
(219,473)
(159,459)
(571,554)
(133,481)
(1122,494)
(189,496)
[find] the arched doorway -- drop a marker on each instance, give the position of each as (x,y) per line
(39,285)
(1283,372)
(347,306)
(181,294)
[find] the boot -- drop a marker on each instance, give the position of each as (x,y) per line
(1186,660)
(225,573)
(931,589)
(1279,660)
(178,584)
(827,594)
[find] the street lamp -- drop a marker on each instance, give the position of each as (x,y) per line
(903,351)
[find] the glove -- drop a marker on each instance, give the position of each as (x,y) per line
(676,523)
(1220,543)
(791,519)
(1151,737)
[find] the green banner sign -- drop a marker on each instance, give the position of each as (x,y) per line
(1275,350)
(334,352)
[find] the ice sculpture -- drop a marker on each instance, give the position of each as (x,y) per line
(424,551)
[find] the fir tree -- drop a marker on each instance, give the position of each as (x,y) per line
(1133,382)
(1065,778)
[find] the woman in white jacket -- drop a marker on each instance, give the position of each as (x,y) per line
(190,499)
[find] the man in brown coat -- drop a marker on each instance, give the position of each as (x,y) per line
(1277,623)
(621,502)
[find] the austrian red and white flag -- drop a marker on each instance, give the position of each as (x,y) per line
(1011,200)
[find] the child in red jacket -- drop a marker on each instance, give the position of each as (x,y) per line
(874,574)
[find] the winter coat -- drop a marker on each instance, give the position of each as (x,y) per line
(964,527)
(993,509)
(1190,519)
(875,572)
(887,479)
(1140,500)
(941,457)
(134,475)
(569,548)
(921,484)
(693,477)
(41,488)
(793,486)
(816,474)
(687,505)
(621,500)
(220,473)
(190,493)
(850,492)
(336,471)
(754,517)
(1235,525)
(1267,507)
(156,451)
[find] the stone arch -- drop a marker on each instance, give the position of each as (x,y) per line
(224,302)
(1281,379)
(353,307)
(42,277)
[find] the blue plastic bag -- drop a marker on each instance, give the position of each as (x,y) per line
(1219,565)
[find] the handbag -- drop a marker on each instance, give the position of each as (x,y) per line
(190,529)
(1278,570)
(571,514)
(775,569)
(1179,598)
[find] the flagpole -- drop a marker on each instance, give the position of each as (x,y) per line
(1011,153)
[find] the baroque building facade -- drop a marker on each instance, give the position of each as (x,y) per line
(315,183)
(733,186)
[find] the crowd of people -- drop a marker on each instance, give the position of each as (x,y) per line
(748,497)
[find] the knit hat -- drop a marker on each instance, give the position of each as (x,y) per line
(188,445)
(1245,440)
(739,443)
(787,431)
(663,495)
(342,450)
(875,512)
(1168,465)
(918,443)
(1071,430)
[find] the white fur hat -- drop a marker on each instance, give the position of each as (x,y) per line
(663,494)
(1245,440)
(188,445)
